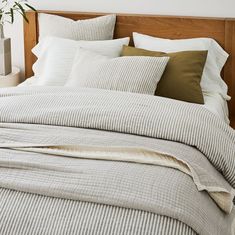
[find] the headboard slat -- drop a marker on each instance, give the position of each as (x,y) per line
(229,70)
(174,27)
(30,41)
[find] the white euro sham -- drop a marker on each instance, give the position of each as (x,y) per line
(56,55)
(211,79)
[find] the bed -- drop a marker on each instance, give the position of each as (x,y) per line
(93,161)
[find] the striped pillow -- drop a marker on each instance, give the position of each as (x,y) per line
(99,28)
(138,74)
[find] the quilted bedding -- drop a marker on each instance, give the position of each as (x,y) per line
(131,152)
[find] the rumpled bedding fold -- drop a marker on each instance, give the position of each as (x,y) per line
(95,144)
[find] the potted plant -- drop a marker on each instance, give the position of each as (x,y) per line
(8,10)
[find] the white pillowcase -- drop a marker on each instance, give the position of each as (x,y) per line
(131,74)
(56,55)
(211,79)
(99,28)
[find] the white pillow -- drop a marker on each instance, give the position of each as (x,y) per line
(211,79)
(100,28)
(132,74)
(56,55)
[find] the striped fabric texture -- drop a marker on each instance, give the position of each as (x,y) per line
(132,113)
(54,111)
(132,74)
(100,28)
(41,215)
(152,188)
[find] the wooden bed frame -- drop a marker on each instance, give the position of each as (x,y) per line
(174,27)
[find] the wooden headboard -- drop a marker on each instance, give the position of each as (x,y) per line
(174,27)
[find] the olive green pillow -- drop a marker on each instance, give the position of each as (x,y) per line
(182,76)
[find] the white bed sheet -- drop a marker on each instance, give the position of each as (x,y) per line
(214,102)
(28,82)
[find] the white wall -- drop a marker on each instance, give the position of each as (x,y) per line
(217,8)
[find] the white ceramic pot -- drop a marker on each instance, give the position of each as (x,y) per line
(5,54)
(10,80)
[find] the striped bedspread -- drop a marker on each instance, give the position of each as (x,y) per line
(34,216)
(128,151)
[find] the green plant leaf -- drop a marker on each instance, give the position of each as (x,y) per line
(20,7)
(24,16)
(14,7)
(21,10)
(12,15)
(30,7)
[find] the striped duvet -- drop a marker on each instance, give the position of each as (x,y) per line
(44,132)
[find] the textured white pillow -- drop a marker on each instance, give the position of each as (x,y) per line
(132,74)
(100,28)
(56,55)
(211,79)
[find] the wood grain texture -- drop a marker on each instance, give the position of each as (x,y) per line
(173,27)
(30,40)
(229,71)
(232,119)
